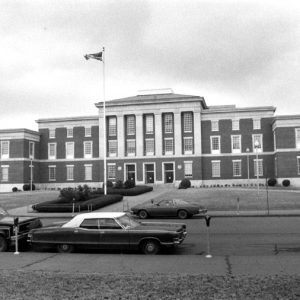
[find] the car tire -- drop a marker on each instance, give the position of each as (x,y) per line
(182,214)
(3,244)
(151,247)
(65,248)
(143,214)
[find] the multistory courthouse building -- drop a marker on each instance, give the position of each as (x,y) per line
(155,138)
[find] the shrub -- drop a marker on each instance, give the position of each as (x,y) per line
(14,189)
(185,184)
(286,182)
(109,184)
(129,184)
(272,181)
(118,184)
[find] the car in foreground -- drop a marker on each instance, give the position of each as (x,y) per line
(109,230)
(167,208)
(7,229)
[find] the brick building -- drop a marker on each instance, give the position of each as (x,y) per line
(155,138)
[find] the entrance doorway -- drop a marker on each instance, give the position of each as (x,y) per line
(169,172)
(130,172)
(149,173)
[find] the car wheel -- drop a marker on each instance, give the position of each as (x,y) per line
(65,248)
(151,247)
(143,214)
(3,244)
(182,214)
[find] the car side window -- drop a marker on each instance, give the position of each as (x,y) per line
(166,203)
(109,224)
(89,224)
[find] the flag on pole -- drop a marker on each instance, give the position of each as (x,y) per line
(97,56)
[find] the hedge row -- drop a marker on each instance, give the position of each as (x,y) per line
(58,205)
(137,190)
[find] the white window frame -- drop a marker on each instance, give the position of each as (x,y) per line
(152,148)
(188,169)
(70,172)
(165,146)
(52,176)
(130,125)
(112,126)
(111,171)
(187,122)
(112,145)
(215,172)
(235,124)
(256,124)
(4,173)
(131,145)
(260,139)
(88,172)
(260,167)
(88,131)
(5,155)
(297,138)
(31,150)
(51,133)
(85,152)
(298,165)
(70,132)
(237,172)
(188,148)
(168,122)
(49,150)
(239,149)
(70,149)
(149,124)
(215,151)
(214,125)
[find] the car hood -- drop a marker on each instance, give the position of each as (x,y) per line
(9,220)
(151,226)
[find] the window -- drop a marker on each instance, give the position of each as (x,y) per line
(149,124)
(112,148)
(188,145)
(187,122)
(112,126)
(256,124)
(90,224)
(214,125)
(52,151)
(52,173)
(4,149)
(109,224)
(70,172)
(237,168)
(88,131)
(31,150)
(70,150)
(4,173)
(188,169)
(169,146)
(215,168)
(235,124)
(236,144)
(149,146)
(215,145)
(297,138)
(88,171)
(130,125)
(168,122)
(88,149)
(130,147)
(257,141)
(111,171)
(258,162)
(52,133)
(298,165)
(69,132)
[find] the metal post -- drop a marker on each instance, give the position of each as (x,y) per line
(31,174)
(104,125)
(207,221)
(16,229)
(256,145)
(248,172)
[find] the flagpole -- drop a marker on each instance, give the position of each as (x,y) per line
(104,126)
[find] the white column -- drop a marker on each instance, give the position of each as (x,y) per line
(120,128)
(177,134)
(158,134)
(139,135)
(197,133)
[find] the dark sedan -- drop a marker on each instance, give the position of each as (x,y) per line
(167,208)
(103,230)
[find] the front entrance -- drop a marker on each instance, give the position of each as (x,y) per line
(130,172)
(149,173)
(169,172)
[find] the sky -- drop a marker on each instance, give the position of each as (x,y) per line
(236,52)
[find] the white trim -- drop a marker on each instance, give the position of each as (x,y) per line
(236,151)
(163,170)
(215,151)
(144,171)
(125,171)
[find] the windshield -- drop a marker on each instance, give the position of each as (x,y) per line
(126,221)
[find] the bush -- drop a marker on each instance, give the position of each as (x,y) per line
(109,183)
(286,182)
(26,187)
(14,189)
(129,184)
(185,184)
(272,182)
(118,184)
(81,193)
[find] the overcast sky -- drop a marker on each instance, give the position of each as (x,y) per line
(230,52)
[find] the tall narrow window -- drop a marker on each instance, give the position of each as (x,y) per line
(215,146)
(52,173)
(258,163)
(215,168)
(188,145)
(236,144)
(130,147)
(70,172)
(112,148)
(70,150)
(112,126)
(111,171)
(237,168)
(88,149)
(88,172)
(235,124)
(52,133)
(297,137)
(256,124)
(169,146)
(88,131)
(214,125)
(4,149)
(149,124)
(187,122)
(4,173)
(298,165)
(52,151)
(149,146)
(168,122)
(130,125)
(31,150)
(70,132)
(188,169)
(257,142)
